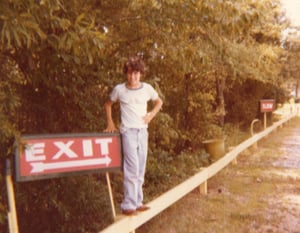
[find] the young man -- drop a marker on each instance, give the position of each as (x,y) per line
(133,96)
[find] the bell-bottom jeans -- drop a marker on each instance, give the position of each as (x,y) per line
(135,148)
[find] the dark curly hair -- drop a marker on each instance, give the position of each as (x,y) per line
(134,64)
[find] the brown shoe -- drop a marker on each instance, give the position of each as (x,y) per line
(129,212)
(143,208)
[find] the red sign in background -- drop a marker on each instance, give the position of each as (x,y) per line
(40,157)
(267,105)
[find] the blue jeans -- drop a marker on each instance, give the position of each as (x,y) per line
(135,148)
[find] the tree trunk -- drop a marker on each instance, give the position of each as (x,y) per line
(220,109)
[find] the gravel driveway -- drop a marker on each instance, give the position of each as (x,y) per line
(260,194)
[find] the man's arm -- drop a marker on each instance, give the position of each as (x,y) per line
(156,108)
(110,123)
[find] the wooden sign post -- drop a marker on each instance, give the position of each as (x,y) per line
(266,105)
(12,214)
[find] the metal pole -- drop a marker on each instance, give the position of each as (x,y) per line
(252,125)
(111,196)
(12,215)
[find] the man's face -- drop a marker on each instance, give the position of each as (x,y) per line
(133,78)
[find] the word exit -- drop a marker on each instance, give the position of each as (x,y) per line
(49,156)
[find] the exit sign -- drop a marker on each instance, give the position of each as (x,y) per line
(47,156)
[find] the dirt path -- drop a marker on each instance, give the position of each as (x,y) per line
(261,194)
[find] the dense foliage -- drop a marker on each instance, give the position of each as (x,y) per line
(211,61)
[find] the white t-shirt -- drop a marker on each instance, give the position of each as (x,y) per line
(133,103)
